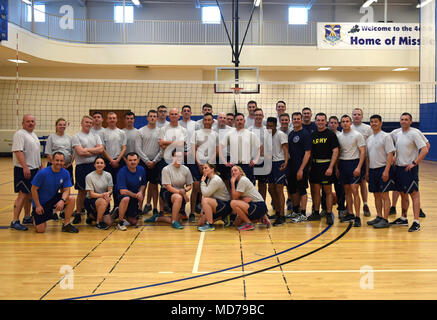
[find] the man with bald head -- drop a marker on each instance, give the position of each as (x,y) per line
(26,156)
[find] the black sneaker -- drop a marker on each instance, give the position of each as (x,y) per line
(69,228)
(382,223)
(348,217)
(77,217)
(392,211)
(366,210)
(102,226)
(329,218)
(280,220)
(323,213)
(167,209)
(399,222)
(192,218)
(62,214)
(155,211)
(341,214)
(88,221)
(422,214)
(374,221)
(275,216)
(147,208)
(357,222)
(198,208)
(17,226)
(114,213)
(55,217)
(414,227)
(28,220)
(314,217)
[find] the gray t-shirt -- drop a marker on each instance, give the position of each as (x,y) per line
(191,127)
(147,144)
(86,140)
(172,133)
(246,187)
(114,140)
(349,145)
(162,124)
(29,144)
(407,145)
(176,177)
(131,135)
(215,188)
(378,147)
(98,132)
(199,124)
(99,183)
(206,141)
(57,143)
(364,129)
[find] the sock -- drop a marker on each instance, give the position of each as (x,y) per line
(403,218)
(365,203)
(417,221)
(296,209)
(303,212)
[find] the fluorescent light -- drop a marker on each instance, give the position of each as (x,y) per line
(17,61)
(400,69)
(368,3)
(136,2)
(256,3)
(297,15)
(423,3)
(324,68)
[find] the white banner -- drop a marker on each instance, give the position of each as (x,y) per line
(337,35)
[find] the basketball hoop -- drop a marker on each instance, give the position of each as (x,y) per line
(237,90)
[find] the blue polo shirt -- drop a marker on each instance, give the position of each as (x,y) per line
(131,181)
(298,142)
(49,183)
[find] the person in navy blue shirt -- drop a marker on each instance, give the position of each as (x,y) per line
(131,182)
(307,124)
(50,193)
(299,148)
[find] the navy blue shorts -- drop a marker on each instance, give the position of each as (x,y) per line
(225,172)
(195,172)
(21,183)
(82,170)
(152,175)
(166,196)
(132,208)
(346,168)
(376,184)
(406,181)
(90,207)
(317,174)
(294,185)
(277,176)
(48,210)
(256,210)
(223,209)
(261,178)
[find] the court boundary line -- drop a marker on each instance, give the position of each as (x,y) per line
(198,253)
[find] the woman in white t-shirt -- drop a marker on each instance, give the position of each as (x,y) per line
(246,201)
(99,187)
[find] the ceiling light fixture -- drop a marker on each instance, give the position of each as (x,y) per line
(324,68)
(17,61)
(400,69)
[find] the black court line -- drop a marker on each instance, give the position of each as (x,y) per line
(280,267)
(77,264)
(242,265)
(254,272)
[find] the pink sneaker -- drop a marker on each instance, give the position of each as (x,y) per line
(246,227)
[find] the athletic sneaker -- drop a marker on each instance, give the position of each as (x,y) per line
(55,217)
(18,226)
(246,227)
(323,213)
(348,217)
(341,214)
(152,218)
(266,221)
(366,210)
(69,228)
(392,211)
(114,213)
(414,227)
(314,217)
(299,218)
(275,216)
(374,221)
(62,214)
(289,205)
(399,222)
(77,217)
(121,226)
(279,221)
(89,220)
(206,227)
(167,209)
(147,208)
(382,223)
(422,214)
(357,222)
(102,226)
(294,215)
(28,220)
(192,218)
(329,218)
(176,225)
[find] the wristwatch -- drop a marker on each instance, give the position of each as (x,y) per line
(414,162)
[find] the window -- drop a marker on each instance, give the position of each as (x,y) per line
(297,15)
(211,14)
(39,13)
(128,14)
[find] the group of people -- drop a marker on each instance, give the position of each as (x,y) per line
(223,167)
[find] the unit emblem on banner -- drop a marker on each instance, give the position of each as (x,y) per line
(332,33)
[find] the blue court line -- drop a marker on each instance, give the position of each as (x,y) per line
(205,274)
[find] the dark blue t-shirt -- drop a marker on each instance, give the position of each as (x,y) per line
(298,142)
(49,182)
(131,181)
(310,127)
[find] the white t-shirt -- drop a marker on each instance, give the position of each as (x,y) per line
(114,140)
(199,124)
(191,127)
(278,140)
(86,140)
(407,146)
(215,188)
(131,135)
(206,141)
(98,132)
(160,124)
(349,144)
(56,143)
(364,129)
(246,187)
(378,147)
(176,177)
(173,133)
(414,129)
(99,183)
(29,144)
(147,144)
(262,133)
(242,144)
(249,122)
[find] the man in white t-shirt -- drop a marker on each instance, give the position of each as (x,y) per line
(250,118)
(162,116)
(366,131)
(26,156)
(206,108)
(410,151)
(97,127)
(130,131)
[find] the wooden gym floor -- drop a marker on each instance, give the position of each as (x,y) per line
(151,261)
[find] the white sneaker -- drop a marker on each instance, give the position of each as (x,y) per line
(126,223)
(121,226)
